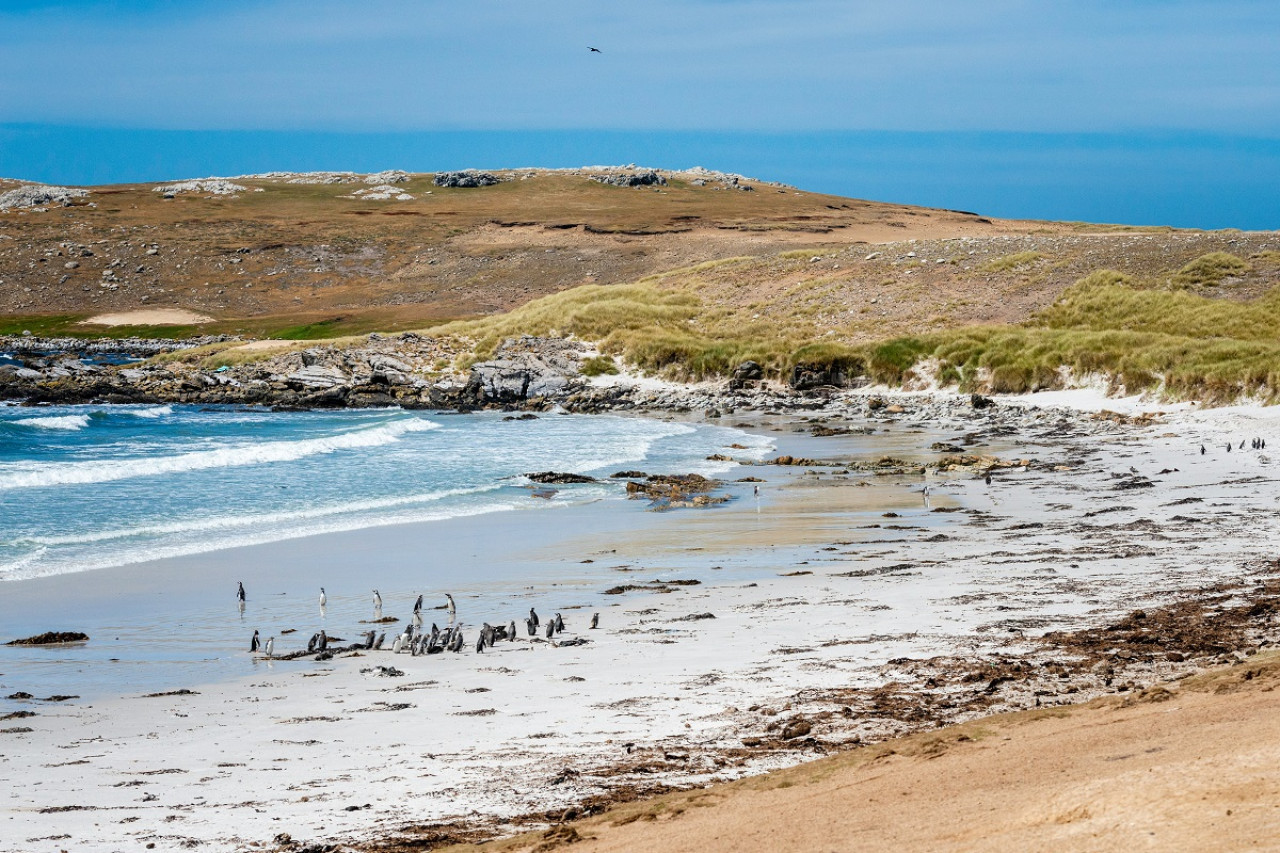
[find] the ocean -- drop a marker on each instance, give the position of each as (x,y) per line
(90,487)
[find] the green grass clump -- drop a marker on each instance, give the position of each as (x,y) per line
(600,365)
(1011,263)
(1209,270)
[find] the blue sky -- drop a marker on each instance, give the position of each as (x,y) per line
(1178,102)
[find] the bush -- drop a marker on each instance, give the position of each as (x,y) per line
(1209,270)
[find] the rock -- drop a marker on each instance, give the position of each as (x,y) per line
(317,376)
(631,179)
(211,186)
(50,638)
(524,368)
(557,478)
(628,475)
(837,374)
(745,374)
(39,195)
(980,402)
(468,178)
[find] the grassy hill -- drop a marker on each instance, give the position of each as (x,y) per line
(690,278)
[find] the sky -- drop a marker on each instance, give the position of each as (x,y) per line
(1144,111)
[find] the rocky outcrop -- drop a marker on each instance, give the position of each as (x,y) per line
(749,374)
(469,178)
(806,377)
(208,186)
(39,195)
(632,179)
(527,368)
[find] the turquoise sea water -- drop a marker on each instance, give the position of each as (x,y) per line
(88,487)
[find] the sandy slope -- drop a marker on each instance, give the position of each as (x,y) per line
(1198,769)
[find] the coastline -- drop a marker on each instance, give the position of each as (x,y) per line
(804,630)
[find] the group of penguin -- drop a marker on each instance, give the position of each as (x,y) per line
(414,639)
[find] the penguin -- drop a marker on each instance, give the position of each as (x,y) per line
(417,605)
(533,629)
(511,630)
(1202,450)
(397,645)
(254,644)
(551,629)
(324,599)
(595,620)
(368,639)
(417,618)
(382,638)
(988,478)
(1242,444)
(451,607)
(480,645)
(377,600)
(270,647)
(533,617)
(559,620)
(324,640)
(311,644)
(240,593)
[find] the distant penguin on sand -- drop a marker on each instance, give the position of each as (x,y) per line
(1202,450)
(311,644)
(254,644)
(240,593)
(417,605)
(270,647)
(551,629)
(559,620)
(533,617)
(533,629)
(324,640)
(377,600)
(595,620)
(382,638)
(451,607)
(511,630)
(324,599)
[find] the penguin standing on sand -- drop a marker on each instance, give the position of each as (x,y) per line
(270,647)
(1202,450)
(417,605)
(240,593)
(377,600)
(254,644)
(324,599)
(595,620)
(511,630)
(451,607)
(533,617)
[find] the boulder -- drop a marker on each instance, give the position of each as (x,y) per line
(747,373)
(524,368)
(316,377)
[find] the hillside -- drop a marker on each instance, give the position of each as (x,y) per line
(687,273)
(280,254)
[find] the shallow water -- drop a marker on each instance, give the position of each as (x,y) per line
(135,523)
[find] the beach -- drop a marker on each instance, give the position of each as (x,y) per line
(843,605)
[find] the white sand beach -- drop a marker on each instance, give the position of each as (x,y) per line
(819,586)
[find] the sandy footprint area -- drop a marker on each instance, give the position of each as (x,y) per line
(149,317)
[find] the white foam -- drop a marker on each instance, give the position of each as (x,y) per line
(65,473)
(150,412)
(64,422)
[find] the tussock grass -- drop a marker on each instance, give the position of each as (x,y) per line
(1010,263)
(1185,345)
(1209,270)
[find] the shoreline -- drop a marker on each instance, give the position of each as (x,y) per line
(815,636)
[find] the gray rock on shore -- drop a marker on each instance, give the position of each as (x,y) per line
(525,368)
